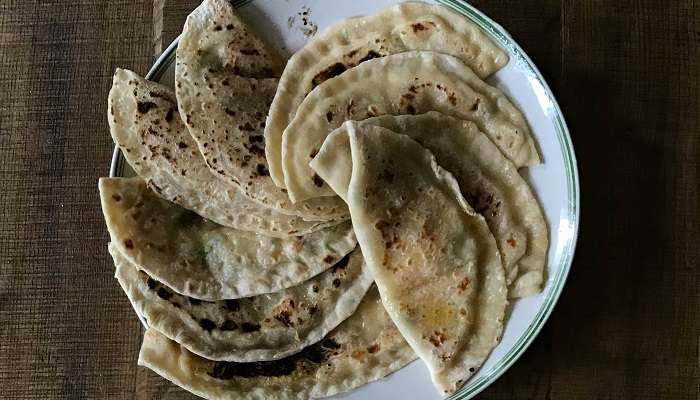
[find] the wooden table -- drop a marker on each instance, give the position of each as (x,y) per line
(626,74)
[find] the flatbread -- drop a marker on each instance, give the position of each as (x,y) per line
(433,258)
(258,328)
(364,348)
(145,124)
(413,82)
(225,109)
(490,183)
(200,259)
(346,44)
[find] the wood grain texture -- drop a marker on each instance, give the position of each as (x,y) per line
(66,328)
(626,76)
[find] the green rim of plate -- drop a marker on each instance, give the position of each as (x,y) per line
(568,235)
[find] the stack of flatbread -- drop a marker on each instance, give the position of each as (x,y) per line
(237,241)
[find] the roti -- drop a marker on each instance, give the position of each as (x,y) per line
(224,80)
(258,328)
(350,42)
(413,82)
(201,259)
(364,348)
(145,123)
(434,260)
(489,182)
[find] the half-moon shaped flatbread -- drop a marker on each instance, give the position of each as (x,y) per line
(490,183)
(258,328)
(414,82)
(434,260)
(346,44)
(225,110)
(364,348)
(200,259)
(145,124)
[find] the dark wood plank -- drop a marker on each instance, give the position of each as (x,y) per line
(631,90)
(174,15)
(626,78)
(67,330)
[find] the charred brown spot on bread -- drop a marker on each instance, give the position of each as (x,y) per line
(117,197)
(182,145)
(373,348)
(436,338)
(285,317)
(475,106)
(246,127)
(262,170)
(229,325)
(217,28)
(336,282)
(483,203)
(313,310)
(169,115)
(511,242)
(410,109)
(129,244)
(248,327)
(452,98)
(145,106)
(328,73)
(329,116)
(313,153)
(250,52)
(256,150)
(463,284)
(417,27)
(341,265)
(207,324)
(152,284)
(317,180)
(159,95)
(315,288)
(329,259)
(308,360)
(229,111)
(256,139)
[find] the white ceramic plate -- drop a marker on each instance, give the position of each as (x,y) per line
(555,182)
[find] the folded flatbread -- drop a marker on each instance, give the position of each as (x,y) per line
(434,260)
(201,259)
(258,328)
(489,182)
(145,123)
(414,82)
(346,44)
(364,348)
(224,105)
